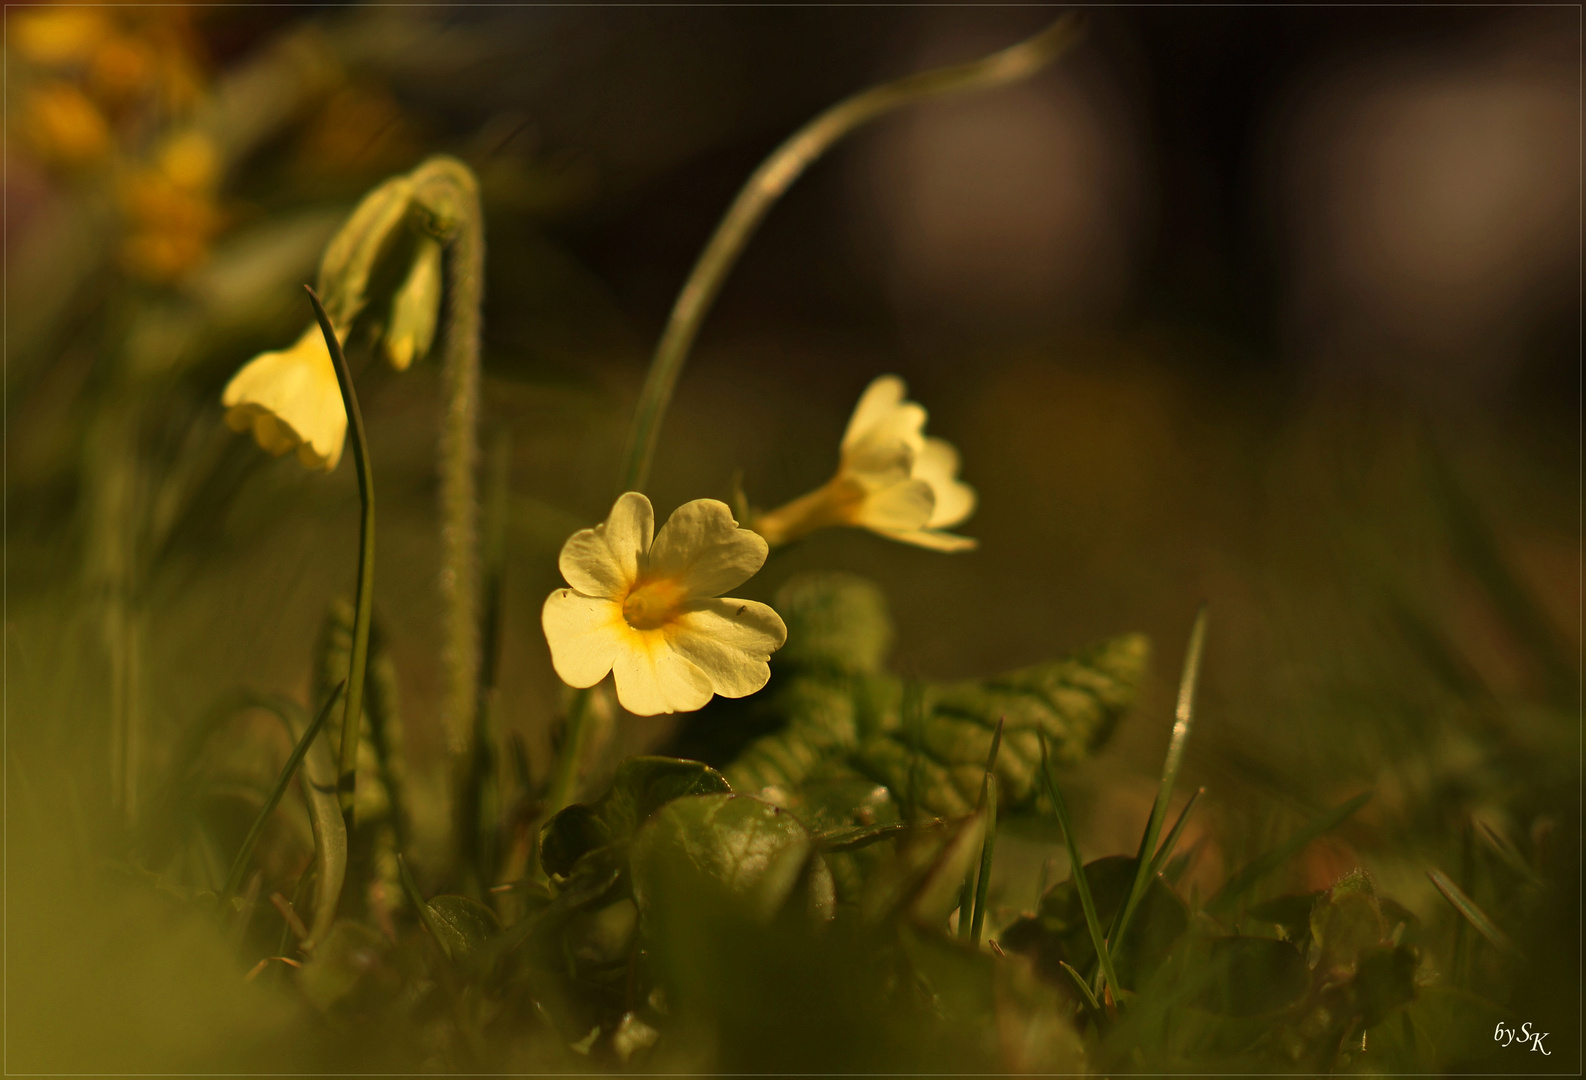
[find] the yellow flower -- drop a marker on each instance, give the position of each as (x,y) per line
(290,400)
(651,613)
(416,308)
(891,479)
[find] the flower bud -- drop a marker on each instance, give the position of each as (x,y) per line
(415,309)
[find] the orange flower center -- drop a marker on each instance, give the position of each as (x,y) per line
(652,604)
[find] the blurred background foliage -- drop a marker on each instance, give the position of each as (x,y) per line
(1272,307)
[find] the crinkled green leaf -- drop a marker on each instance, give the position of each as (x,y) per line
(641,786)
(838,708)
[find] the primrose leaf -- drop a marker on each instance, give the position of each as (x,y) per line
(641,787)
(724,851)
(834,711)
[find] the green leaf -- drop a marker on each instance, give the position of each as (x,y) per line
(467,926)
(641,786)
(1253,976)
(834,709)
(1060,932)
(1384,981)
(723,850)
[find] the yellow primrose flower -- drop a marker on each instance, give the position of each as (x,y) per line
(652,614)
(290,400)
(891,479)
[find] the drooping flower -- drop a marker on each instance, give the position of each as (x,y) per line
(651,612)
(891,479)
(290,400)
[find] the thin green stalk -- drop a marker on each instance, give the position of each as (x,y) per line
(1077,871)
(772,179)
(239,865)
(1183,719)
(988,847)
(363,609)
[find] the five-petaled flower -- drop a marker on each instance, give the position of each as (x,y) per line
(652,613)
(290,400)
(890,479)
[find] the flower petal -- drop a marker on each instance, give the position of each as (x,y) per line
(704,551)
(730,641)
(902,506)
(654,678)
(937,465)
(290,398)
(931,539)
(585,634)
(879,400)
(604,561)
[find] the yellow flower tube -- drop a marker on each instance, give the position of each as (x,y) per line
(290,400)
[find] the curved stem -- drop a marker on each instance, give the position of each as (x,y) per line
(239,865)
(774,176)
(352,716)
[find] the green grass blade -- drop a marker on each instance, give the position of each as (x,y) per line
(239,865)
(1086,901)
(1473,914)
(1079,981)
(352,716)
(1166,850)
(1506,851)
(1183,720)
(987,853)
(1262,865)
(973,897)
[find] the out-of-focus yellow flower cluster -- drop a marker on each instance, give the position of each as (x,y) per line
(103,94)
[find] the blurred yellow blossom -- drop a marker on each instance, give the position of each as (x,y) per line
(53,37)
(290,400)
(891,479)
(64,126)
(651,613)
(170,208)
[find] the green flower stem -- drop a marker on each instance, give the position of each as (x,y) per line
(239,865)
(774,176)
(445,189)
(351,719)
